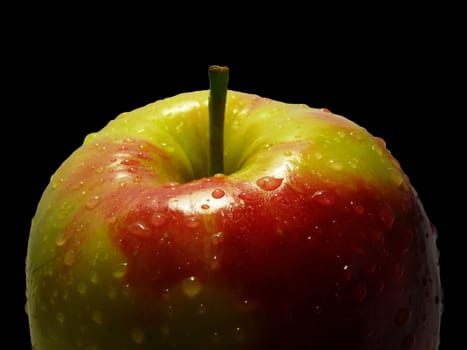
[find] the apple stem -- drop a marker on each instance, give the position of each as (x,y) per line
(218,80)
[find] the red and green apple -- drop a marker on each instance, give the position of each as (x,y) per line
(280,227)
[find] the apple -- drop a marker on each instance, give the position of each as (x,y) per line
(293,228)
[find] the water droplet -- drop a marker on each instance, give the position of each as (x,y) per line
(408,342)
(269,183)
(69,257)
(386,215)
(218,193)
(335,165)
(171,184)
(77,185)
(396,176)
(341,134)
(347,273)
(287,153)
(94,277)
(120,271)
(82,288)
(61,240)
(318,310)
(191,286)
(60,317)
(216,338)
(137,335)
(138,229)
(201,309)
(245,196)
(217,238)
(93,202)
(356,134)
(214,263)
(239,335)
(235,125)
(357,208)
(402,317)
(324,197)
(97,316)
(376,148)
(142,155)
(381,141)
(205,206)
(158,219)
(192,222)
(318,155)
(129,162)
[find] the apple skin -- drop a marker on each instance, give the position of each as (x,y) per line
(313,239)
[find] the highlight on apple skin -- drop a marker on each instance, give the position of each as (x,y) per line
(311,238)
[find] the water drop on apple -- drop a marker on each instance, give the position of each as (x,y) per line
(357,208)
(120,271)
(158,219)
(191,286)
(171,185)
(69,257)
(61,240)
(324,197)
(217,238)
(93,202)
(269,183)
(335,165)
(139,229)
(218,193)
(192,222)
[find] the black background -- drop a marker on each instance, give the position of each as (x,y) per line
(394,77)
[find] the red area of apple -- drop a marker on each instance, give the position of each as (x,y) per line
(311,259)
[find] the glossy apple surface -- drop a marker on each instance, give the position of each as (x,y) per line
(313,238)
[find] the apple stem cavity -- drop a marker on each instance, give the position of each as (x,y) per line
(218,80)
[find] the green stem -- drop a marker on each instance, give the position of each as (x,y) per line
(218,80)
